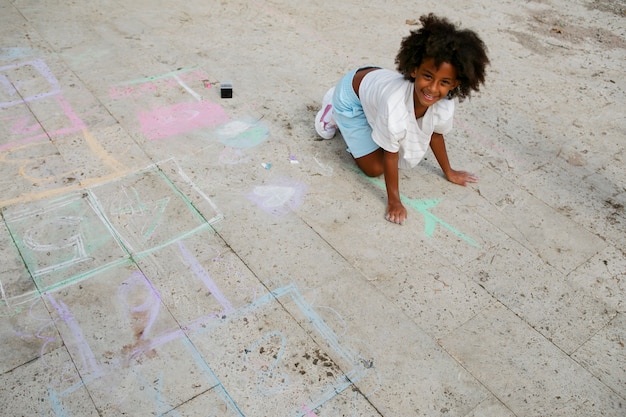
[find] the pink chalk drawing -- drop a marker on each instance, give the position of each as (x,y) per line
(180,118)
(279,198)
(308,412)
(34,132)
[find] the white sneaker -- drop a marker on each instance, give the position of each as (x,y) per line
(325,125)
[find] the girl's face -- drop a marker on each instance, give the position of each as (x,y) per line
(432,83)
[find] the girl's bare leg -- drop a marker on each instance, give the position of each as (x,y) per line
(371,164)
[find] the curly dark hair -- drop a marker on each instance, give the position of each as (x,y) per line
(441,40)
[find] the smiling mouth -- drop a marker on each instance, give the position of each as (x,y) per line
(427,96)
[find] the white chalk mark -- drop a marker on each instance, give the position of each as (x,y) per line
(187,88)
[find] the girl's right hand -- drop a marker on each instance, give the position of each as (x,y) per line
(396,213)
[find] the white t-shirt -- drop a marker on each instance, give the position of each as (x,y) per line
(387,100)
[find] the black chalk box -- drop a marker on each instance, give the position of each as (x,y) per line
(226,90)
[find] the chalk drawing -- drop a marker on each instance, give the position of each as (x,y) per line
(138,87)
(63,240)
(9,54)
(161,404)
(88,364)
(26,124)
(43,163)
(204,276)
(308,413)
(188,89)
(273,384)
(143,303)
(263,355)
(147,215)
(21,298)
(219,390)
(140,214)
(88,231)
(183,175)
(70,248)
(280,198)
(323,168)
(180,118)
(23,83)
(15,86)
(44,325)
(243,133)
(23,125)
(430,220)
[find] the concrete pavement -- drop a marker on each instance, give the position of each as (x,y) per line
(166,251)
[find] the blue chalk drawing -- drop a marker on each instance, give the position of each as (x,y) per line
(282,296)
(55,404)
(266,374)
(15,53)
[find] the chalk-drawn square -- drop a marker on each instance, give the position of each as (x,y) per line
(147,210)
(130,352)
(269,363)
(200,278)
(25,82)
(62,240)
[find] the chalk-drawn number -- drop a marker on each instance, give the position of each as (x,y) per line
(263,356)
(68,247)
(142,303)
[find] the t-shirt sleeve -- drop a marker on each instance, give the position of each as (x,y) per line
(444,116)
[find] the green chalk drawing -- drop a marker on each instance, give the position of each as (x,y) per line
(430,220)
(151,214)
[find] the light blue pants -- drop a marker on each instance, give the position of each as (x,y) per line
(350,118)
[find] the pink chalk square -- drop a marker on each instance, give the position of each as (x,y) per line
(180,118)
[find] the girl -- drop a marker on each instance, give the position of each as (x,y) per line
(388,119)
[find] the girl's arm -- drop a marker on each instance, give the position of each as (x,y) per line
(438,146)
(396,212)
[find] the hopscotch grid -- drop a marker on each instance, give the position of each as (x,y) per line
(326,394)
(330,337)
(131,256)
(341,383)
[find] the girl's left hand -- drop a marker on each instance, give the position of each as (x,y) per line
(461,177)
